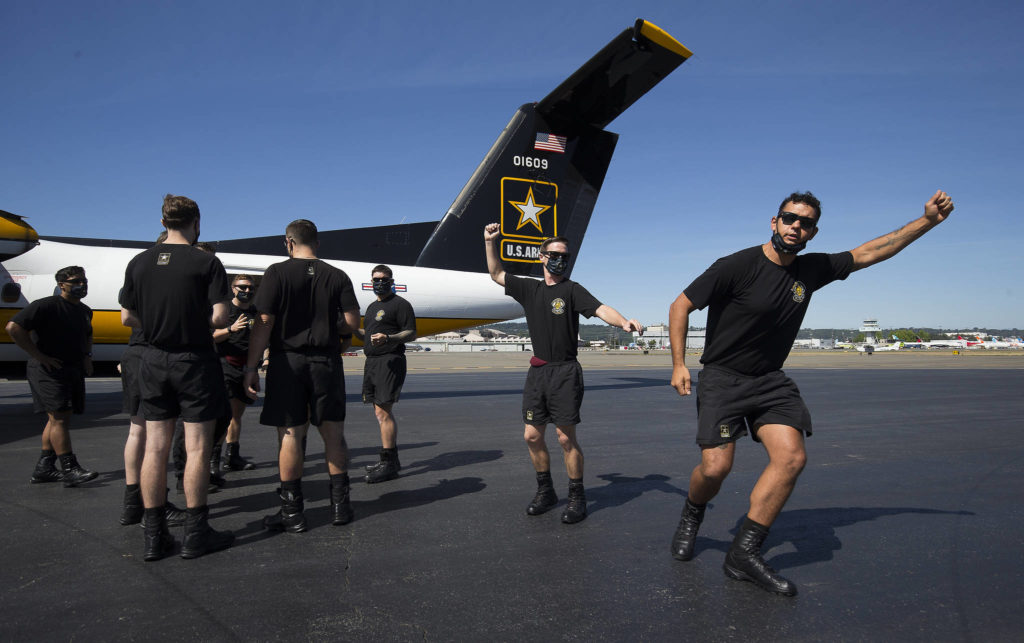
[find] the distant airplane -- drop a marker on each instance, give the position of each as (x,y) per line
(541,178)
(872,348)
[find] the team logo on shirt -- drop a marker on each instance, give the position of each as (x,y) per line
(310,269)
(799,291)
(723,430)
(163,259)
(558,306)
(379,316)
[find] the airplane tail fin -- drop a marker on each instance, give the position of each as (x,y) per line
(542,176)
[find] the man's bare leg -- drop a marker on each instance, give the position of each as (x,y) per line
(198,446)
(786,459)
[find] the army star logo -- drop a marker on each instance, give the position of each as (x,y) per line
(163,259)
(558,306)
(529,211)
(723,430)
(799,291)
(379,316)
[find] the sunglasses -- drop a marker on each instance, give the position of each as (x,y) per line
(381,280)
(76,281)
(556,255)
(243,286)
(807,223)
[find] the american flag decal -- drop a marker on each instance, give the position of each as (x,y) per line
(550,142)
(394,287)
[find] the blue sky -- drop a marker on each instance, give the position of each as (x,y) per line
(352,114)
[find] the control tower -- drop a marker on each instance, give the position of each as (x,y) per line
(870,329)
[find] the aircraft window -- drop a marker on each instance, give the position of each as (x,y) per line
(10,293)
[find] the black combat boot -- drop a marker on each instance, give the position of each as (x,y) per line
(289,517)
(744,562)
(131,512)
(200,537)
(74,474)
(216,479)
(233,461)
(46,469)
(545,498)
(576,509)
(341,507)
(159,541)
(386,469)
(175,516)
(686,533)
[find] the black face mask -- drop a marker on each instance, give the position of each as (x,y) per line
(382,287)
(244,296)
(557,264)
(780,245)
(79,292)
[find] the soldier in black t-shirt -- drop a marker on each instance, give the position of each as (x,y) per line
(757,300)
(60,357)
(305,306)
(554,384)
(176,293)
(388,324)
(233,348)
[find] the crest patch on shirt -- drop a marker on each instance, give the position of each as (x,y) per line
(163,259)
(723,430)
(310,269)
(799,291)
(558,306)
(379,316)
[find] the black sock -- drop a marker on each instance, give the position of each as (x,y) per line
(295,486)
(339,480)
(48,453)
(544,479)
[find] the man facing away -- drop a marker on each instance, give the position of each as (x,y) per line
(757,300)
(554,384)
(60,357)
(305,306)
(388,324)
(176,294)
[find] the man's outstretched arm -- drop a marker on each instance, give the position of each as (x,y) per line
(612,317)
(935,212)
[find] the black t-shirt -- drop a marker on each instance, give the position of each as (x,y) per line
(63,328)
(172,288)
(237,343)
(307,298)
(757,306)
(552,314)
(393,315)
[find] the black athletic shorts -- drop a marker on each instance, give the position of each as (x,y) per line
(303,388)
(56,389)
(553,393)
(233,377)
(181,384)
(729,405)
(383,377)
(131,397)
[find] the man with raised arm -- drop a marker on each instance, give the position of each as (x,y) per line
(554,384)
(757,299)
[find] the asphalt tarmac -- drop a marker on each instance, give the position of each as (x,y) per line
(905,525)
